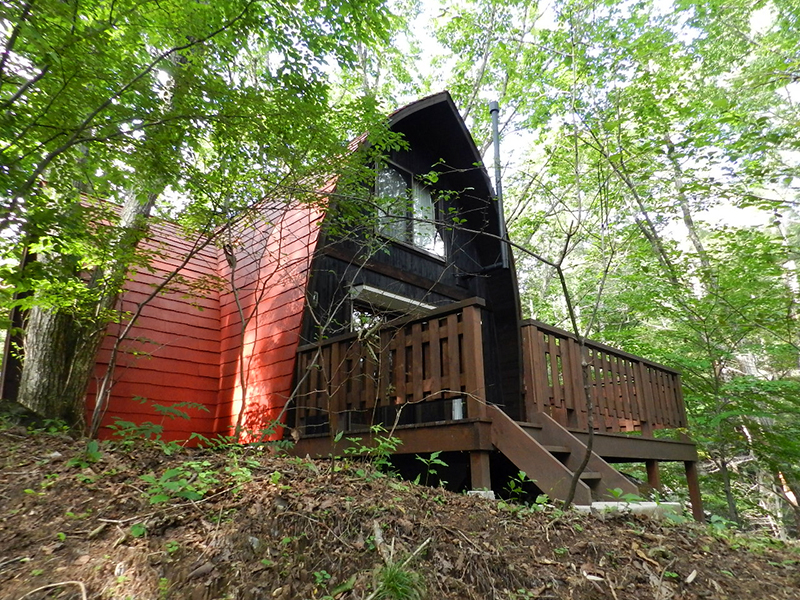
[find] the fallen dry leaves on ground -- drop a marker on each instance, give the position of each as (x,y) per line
(77,524)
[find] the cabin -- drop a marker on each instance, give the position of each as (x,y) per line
(408,327)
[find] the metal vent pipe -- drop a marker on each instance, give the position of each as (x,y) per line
(494,110)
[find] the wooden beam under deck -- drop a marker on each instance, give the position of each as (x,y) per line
(615,447)
(623,448)
(475,434)
(481,436)
(446,436)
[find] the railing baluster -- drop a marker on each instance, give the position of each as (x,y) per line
(417,371)
(663,410)
(683,422)
(453,366)
(647,406)
(529,353)
(598,389)
(371,352)
(573,382)
(335,395)
(616,386)
(558,394)
(607,402)
(300,412)
(625,389)
(435,349)
(416,362)
(580,391)
(629,393)
(386,375)
(399,343)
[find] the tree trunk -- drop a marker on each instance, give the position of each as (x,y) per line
(789,491)
(733,511)
(59,359)
(48,352)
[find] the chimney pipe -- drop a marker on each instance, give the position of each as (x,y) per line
(494,110)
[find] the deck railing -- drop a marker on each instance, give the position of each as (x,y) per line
(409,371)
(431,369)
(629,392)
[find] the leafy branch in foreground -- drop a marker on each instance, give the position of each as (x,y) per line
(138,104)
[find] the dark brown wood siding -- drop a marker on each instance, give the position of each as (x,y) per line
(469,224)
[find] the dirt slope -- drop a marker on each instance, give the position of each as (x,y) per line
(253,525)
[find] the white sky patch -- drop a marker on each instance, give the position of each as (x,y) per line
(123,166)
(762,20)
(734,216)
(547,18)
(173,200)
(790,92)
(790,157)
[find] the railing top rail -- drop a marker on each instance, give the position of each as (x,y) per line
(400,322)
(599,345)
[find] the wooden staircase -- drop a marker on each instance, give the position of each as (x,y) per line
(551,460)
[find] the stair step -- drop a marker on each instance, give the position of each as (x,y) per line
(557,449)
(591,476)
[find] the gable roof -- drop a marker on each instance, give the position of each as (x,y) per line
(441,108)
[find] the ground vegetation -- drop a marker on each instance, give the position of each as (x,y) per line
(134,519)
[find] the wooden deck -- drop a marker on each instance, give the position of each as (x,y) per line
(423,380)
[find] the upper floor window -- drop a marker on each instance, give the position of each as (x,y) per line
(407,212)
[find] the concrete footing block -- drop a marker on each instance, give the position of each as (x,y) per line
(485,494)
(655,510)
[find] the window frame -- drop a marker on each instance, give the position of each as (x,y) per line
(412,219)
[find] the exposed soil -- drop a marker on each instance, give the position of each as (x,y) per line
(270,526)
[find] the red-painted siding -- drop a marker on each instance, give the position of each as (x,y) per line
(171,355)
(272,264)
(186,344)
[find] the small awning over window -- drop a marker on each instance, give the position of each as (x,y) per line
(383,300)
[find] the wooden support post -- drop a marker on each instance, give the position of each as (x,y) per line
(694,491)
(472,349)
(644,393)
(480,475)
(653,474)
(529,337)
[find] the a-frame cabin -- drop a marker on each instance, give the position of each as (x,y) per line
(456,370)
(418,330)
